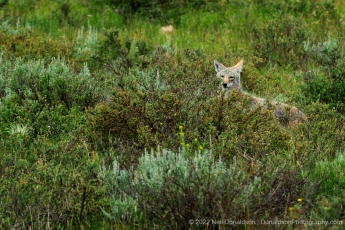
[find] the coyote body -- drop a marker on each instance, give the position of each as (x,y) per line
(231,82)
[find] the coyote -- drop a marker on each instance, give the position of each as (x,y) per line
(231,81)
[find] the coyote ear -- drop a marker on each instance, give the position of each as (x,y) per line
(218,66)
(238,66)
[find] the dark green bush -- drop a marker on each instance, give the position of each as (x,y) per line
(279,41)
(326,85)
(328,175)
(118,57)
(165,11)
(47,165)
(149,104)
(323,118)
(43,184)
(319,10)
(330,209)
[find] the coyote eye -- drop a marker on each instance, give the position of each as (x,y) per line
(222,76)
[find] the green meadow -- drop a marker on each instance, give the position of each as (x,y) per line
(109,120)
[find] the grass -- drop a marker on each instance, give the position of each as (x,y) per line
(107,123)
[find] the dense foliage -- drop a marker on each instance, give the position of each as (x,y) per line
(108,120)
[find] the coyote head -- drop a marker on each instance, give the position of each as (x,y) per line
(231,76)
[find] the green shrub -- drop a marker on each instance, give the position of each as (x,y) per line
(165,11)
(321,11)
(326,85)
(279,41)
(26,44)
(237,129)
(118,57)
(47,164)
(44,96)
(326,53)
(328,179)
(86,43)
(170,189)
(328,174)
(52,84)
(148,105)
(48,183)
(326,131)
(330,209)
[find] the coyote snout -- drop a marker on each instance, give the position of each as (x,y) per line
(227,85)
(231,81)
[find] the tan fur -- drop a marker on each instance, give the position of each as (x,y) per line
(231,82)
